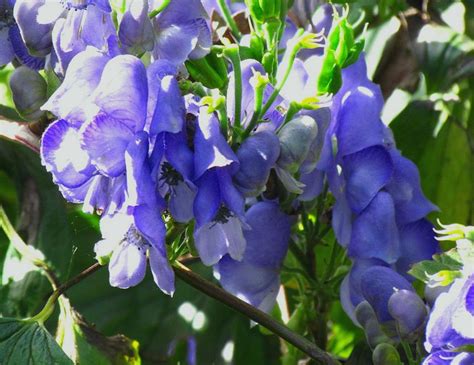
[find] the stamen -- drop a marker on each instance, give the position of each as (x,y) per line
(169,175)
(222,215)
(135,238)
(75,4)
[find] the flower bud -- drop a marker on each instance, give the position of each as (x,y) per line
(296,138)
(29,91)
(257,155)
(386,354)
(367,318)
(407,308)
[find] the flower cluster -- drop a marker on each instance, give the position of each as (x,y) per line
(139,139)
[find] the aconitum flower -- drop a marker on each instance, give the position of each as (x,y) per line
(68,26)
(86,151)
(11,44)
(172,159)
(136,234)
(136,30)
(218,206)
(451,324)
(255,278)
(182,32)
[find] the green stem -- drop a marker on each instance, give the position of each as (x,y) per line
(232,52)
(258,102)
(26,251)
(253,313)
(229,19)
(47,310)
(159,9)
(289,60)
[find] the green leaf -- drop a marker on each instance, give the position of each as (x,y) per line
(23,342)
(445,266)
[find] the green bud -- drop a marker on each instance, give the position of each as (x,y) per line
(29,91)
(257,46)
(386,354)
(296,138)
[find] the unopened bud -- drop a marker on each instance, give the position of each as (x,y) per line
(386,354)
(29,91)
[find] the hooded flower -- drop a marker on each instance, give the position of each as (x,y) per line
(255,278)
(173,160)
(136,234)
(218,206)
(182,31)
(85,151)
(11,43)
(136,29)
(68,26)
(451,324)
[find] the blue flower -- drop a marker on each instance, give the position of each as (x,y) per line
(11,44)
(136,29)
(68,26)
(182,32)
(218,206)
(451,324)
(137,233)
(255,278)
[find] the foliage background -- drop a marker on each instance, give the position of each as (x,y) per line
(424,62)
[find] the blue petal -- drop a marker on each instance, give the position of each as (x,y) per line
(62,155)
(6,49)
(268,236)
(70,100)
(208,198)
(378,284)
(410,202)
(21,52)
(170,110)
(211,148)
(417,243)
(257,155)
(136,30)
(127,266)
(374,231)
(163,274)
(314,183)
(37,36)
(408,309)
(124,97)
(214,240)
(106,139)
(366,173)
(232,198)
(179,155)
(181,202)
(342,221)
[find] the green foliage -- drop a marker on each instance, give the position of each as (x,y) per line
(22,341)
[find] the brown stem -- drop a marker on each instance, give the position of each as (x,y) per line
(253,313)
(78,278)
(20,132)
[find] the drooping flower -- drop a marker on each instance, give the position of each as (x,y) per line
(137,233)
(182,31)
(218,206)
(68,26)
(255,278)
(136,29)
(11,44)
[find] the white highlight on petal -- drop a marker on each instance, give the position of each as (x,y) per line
(71,153)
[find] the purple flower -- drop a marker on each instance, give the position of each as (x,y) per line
(257,156)
(137,234)
(173,160)
(218,206)
(182,31)
(85,151)
(136,30)
(451,322)
(255,278)
(11,43)
(68,26)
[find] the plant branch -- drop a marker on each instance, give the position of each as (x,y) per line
(78,278)
(253,313)
(19,132)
